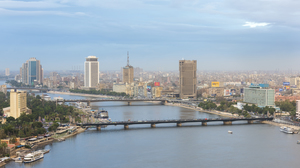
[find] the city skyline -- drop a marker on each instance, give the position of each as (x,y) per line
(220,35)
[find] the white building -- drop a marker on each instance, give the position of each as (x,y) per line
(7,72)
(91,72)
(298,109)
(260,97)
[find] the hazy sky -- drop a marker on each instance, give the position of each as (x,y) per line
(220,35)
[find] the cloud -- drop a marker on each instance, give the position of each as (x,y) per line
(18,12)
(29,4)
(254,24)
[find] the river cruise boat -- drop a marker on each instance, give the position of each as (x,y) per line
(229,132)
(101,114)
(287,130)
(32,157)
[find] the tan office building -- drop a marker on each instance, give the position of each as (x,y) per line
(188,78)
(128,74)
(18,103)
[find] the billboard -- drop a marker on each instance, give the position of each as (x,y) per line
(156,83)
(215,84)
(263,85)
(227,92)
(286,87)
(149,88)
(286,83)
(280,90)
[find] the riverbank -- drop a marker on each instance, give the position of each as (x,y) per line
(296,128)
(78,94)
(224,114)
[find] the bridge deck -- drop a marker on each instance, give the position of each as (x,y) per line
(174,121)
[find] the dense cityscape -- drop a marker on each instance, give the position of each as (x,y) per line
(147,83)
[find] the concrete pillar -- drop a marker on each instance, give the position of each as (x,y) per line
(88,103)
(98,127)
(153,125)
(204,123)
(227,122)
(126,126)
(250,121)
(129,103)
(179,125)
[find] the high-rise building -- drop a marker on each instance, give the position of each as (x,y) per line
(128,72)
(32,71)
(91,72)
(7,72)
(188,78)
(298,109)
(18,103)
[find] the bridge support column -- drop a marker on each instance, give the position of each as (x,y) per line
(126,126)
(98,128)
(179,125)
(153,125)
(129,103)
(88,103)
(204,123)
(227,122)
(250,121)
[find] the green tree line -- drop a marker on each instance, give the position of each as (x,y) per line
(98,92)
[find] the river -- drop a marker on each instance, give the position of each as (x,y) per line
(192,145)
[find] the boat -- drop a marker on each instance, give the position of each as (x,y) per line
(287,130)
(61,139)
(229,132)
(101,114)
(44,151)
(32,157)
(19,159)
(298,142)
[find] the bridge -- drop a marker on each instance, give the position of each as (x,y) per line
(226,121)
(88,101)
(29,88)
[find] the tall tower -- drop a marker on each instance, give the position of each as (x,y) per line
(128,72)
(188,78)
(32,71)
(7,72)
(91,72)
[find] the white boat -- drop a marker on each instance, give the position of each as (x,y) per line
(287,130)
(229,132)
(44,151)
(32,157)
(18,159)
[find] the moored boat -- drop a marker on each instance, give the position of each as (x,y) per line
(287,130)
(32,157)
(230,132)
(18,159)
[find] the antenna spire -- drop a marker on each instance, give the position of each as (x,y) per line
(127,58)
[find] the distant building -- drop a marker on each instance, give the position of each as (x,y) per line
(128,72)
(91,72)
(298,109)
(259,96)
(7,72)
(32,72)
(188,78)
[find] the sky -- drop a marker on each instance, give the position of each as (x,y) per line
(219,34)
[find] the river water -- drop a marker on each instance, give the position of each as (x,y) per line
(192,145)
